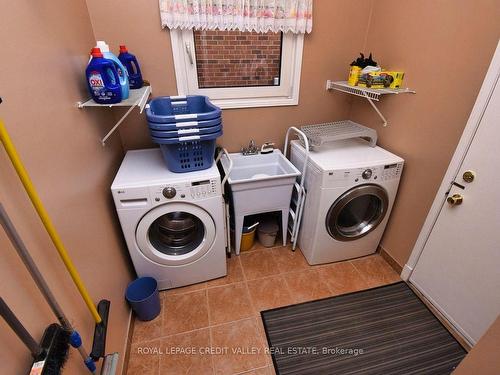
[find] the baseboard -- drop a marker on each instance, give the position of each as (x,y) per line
(128,343)
(454,332)
(389,259)
(405,274)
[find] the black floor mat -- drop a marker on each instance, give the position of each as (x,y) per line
(385,330)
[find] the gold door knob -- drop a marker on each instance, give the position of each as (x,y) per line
(455,199)
(469,176)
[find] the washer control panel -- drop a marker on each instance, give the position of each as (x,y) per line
(202,189)
(185,191)
(391,171)
(365,175)
(169,192)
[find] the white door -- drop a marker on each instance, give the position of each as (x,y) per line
(459,268)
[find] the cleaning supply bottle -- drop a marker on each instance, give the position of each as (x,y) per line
(102,79)
(133,69)
(122,72)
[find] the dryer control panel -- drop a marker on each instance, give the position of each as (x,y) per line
(185,191)
(365,175)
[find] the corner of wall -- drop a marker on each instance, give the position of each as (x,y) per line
(351,100)
(368,24)
(90,20)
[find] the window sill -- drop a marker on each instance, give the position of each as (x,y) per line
(254,102)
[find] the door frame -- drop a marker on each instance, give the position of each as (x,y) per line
(490,81)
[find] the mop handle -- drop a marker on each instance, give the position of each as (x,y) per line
(42,213)
(40,282)
(19,329)
(25,256)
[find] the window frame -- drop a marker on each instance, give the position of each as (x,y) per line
(286,94)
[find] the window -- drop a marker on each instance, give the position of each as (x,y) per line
(238,69)
(237,59)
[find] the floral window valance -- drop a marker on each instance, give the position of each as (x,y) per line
(245,15)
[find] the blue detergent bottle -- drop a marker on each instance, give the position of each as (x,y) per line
(102,79)
(122,71)
(133,69)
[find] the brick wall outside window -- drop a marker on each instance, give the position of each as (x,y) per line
(237,59)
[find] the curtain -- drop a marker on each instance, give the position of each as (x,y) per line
(244,15)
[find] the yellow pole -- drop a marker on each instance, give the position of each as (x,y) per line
(30,189)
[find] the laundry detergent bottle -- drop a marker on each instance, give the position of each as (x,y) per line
(133,69)
(122,72)
(102,79)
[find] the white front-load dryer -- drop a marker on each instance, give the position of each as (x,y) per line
(351,188)
(173,223)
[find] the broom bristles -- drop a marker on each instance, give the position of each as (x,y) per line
(55,345)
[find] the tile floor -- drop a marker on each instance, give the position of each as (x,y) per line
(223,314)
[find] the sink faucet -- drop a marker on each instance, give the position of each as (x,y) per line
(252,149)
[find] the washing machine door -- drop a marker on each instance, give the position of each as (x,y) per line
(357,212)
(175,233)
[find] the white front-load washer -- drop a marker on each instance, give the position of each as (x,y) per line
(351,188)
(173,223)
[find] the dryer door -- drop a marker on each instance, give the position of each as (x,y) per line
(175,233)
(357,212)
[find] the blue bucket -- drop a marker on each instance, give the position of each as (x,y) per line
(142,295)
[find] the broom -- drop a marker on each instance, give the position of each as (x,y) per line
(74,337)
(51,354)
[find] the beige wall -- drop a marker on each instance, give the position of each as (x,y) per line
(45,48)
(484,358)
(445,48)
(434,42)
(327,51)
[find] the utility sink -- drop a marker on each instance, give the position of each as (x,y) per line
(259,170)
(259,183)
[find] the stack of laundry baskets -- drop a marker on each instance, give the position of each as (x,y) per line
(186,128)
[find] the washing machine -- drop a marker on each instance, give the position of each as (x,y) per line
(173,223)
(351,188)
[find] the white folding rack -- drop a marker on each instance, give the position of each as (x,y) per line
(225,200)
(137,98)
(320,134)
(367,93)
(299,192)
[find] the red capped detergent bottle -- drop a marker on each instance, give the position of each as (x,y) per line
(102,79)
(132,66)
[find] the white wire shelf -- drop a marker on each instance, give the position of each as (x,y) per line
(367,93)
(373,94)
(137,98)
(319,134)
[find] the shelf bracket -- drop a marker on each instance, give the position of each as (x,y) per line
(141,102)
(369,94)
(137,98)
(103,141)
(384,120)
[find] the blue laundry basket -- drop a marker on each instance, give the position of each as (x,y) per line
(168,126)
(171,109)
(142,295)
(185,131)
(188,153)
